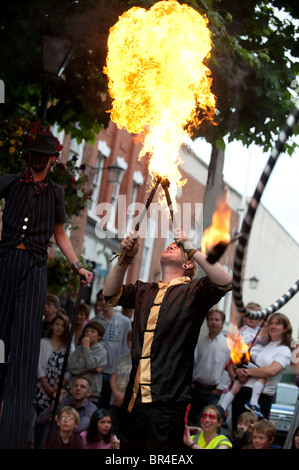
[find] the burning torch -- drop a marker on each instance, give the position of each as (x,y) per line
(137,226)
(216,238)
(165,185)
(158,83)
(240,351)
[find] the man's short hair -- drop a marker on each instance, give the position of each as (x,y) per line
(82,378)
(85,309)
(99,294)
(221,313)
(53,299)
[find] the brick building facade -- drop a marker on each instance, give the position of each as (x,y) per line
(97,234)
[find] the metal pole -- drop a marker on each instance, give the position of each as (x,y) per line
(65,360)
(148,202)
(165,184)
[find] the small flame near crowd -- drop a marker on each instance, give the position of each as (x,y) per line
(158,80)
(219,231)
(239,350)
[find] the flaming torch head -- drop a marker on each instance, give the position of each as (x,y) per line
(239,350)
(158,80)
(216,237)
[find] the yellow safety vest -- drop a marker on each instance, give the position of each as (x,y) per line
(214,444)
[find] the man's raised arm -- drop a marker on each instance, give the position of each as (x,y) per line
(215,271)
(116,276)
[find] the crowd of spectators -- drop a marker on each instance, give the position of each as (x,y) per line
(225,412)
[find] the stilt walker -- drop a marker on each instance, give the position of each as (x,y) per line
(34,211)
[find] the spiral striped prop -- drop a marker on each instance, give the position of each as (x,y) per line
(288,129)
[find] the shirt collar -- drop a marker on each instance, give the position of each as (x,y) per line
(217,338)
(174,282)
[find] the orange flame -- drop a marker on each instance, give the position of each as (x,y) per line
(239,349)
(219,231)
(158,81)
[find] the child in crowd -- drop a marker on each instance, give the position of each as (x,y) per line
(263,434)
(246,421)
(241,438)
(118,383)
(254,334)
(65,437)
(51,356)
(81,321)
(99,434)
(89,358)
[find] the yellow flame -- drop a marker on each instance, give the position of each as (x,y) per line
(219,231)
(157,80)
(239,349)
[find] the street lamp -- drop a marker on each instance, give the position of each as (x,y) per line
(115,173)
(253,282)
(56,53)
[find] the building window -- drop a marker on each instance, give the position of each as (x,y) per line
(120,161)
(76,150)
(58,134)
(96,174)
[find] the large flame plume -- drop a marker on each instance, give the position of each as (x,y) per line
(158,80)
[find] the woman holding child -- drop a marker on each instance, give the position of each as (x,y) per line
(272,361)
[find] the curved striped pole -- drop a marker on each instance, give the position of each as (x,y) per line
(247,224)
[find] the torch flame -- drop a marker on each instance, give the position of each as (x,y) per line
(239,350)
(158,81)
(219,231)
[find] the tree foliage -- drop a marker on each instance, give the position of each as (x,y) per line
(252,63)
(15,137)
(79,99)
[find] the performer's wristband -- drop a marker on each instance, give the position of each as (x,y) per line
(76,265)
(126,260)
(191,252)
(193,444)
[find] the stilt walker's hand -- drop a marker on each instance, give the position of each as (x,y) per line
(85,275)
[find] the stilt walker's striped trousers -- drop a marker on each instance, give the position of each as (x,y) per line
(23,280)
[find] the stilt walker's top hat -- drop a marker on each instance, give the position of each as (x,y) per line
(45,144)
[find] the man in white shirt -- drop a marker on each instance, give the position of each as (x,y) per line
(209,375)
